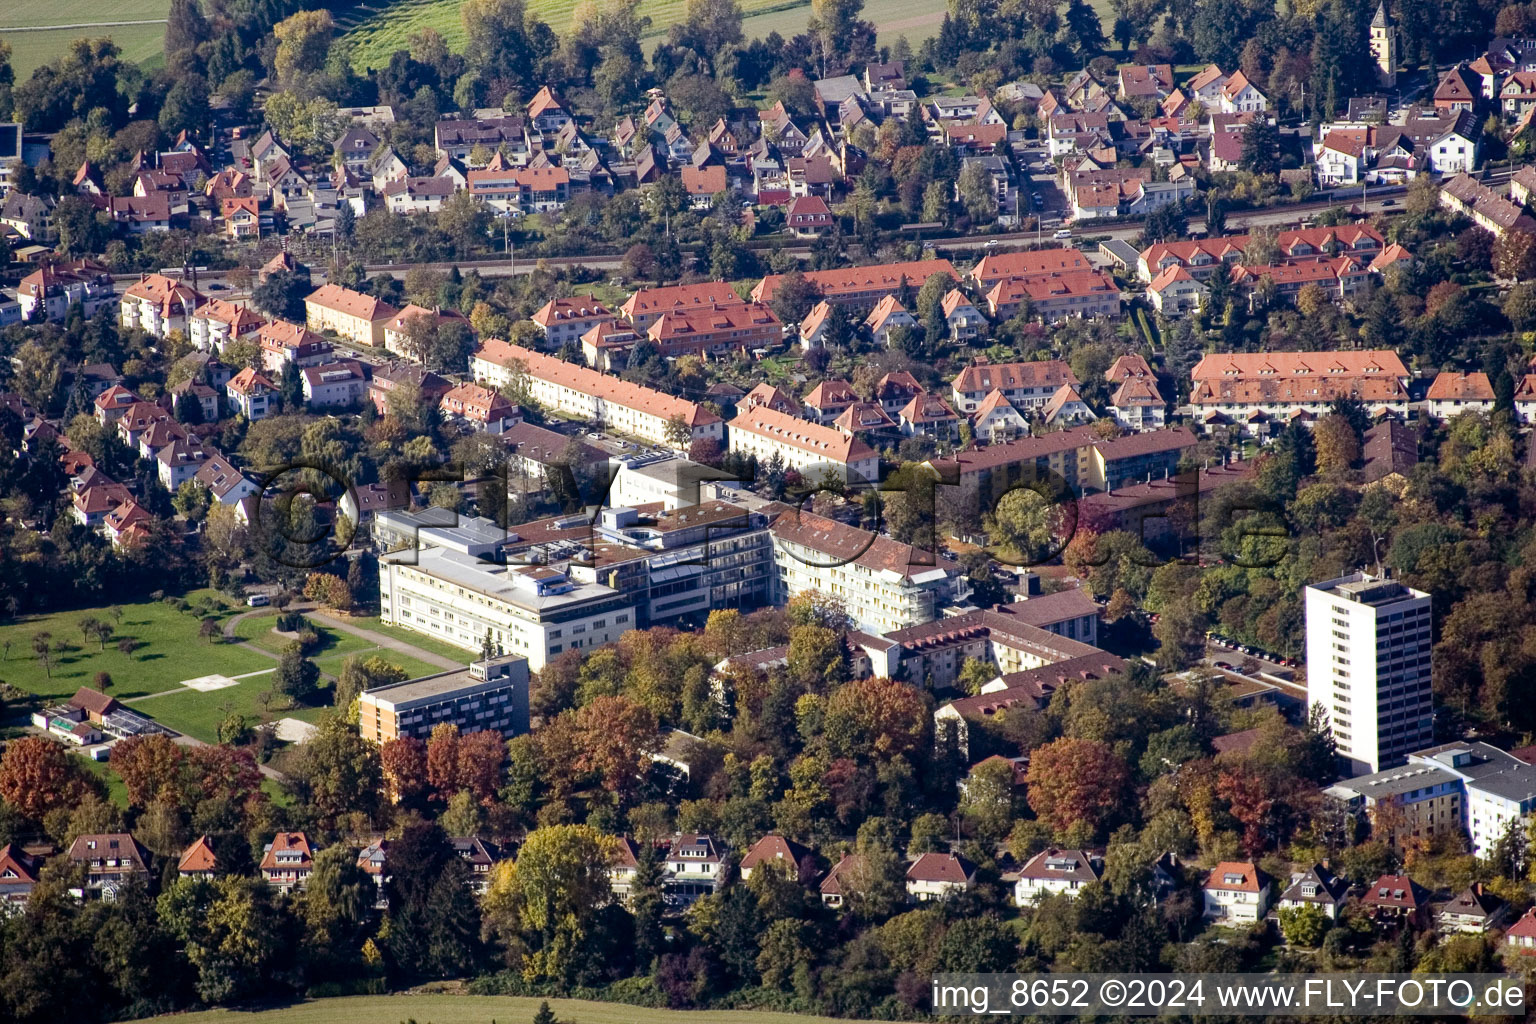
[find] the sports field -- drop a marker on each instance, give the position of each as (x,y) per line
(456,1009)
(79,18)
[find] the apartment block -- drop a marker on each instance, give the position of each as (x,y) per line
(1368,665)
(488,694)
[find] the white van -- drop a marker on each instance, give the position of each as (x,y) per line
(258,600)
(1063,233)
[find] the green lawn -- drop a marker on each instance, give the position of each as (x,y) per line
(116,791)
(380,28)
(170,651)
(426,643)
(32,49)
(456,1009)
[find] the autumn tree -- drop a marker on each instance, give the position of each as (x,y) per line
(404,763)
(1514,255)
(617,738)
(1076,780)
(338,770)
(443,760)
(37,775)
(1337,444)
(562,877)
(878,717)
(150,767)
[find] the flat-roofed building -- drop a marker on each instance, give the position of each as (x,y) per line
(489,694)
(1368,667)
(536,611)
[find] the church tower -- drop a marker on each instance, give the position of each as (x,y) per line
(1384,46)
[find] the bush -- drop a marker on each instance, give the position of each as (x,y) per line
(292,622)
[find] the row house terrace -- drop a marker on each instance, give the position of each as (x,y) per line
(1201,257)
(1025,385)
(1231,387)
(647,305)
(719,331)
(525,190)
(1339,277)
(809,448)
(862,287)
(567,319)
(593,396)
(1080,294)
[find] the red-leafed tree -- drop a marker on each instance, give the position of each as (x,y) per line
(151,768)
(1252,803)
(482,756)
(617,737)
(443,760)
(221,772)
(1072,780)
(36,776)
(404,763)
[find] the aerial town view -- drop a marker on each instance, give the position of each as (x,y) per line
(763,512)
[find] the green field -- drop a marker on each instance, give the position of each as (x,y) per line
(380,28)
(456,1009)
(171,651)
(31,49)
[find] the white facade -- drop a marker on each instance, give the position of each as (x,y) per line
(1228,905)
(534,611)
(1453,153)
(1368,665)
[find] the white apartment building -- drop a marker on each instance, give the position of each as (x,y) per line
(674,482)
(1368,665)
(812,450)
(533,610)
(596,397)
(883,584)
(1500,788)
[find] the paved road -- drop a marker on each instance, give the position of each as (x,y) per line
(388,642)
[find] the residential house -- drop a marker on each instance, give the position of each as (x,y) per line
(287,861)
(1065,407)
(480,408)
(329,385)
(19,874)
(283,343)
(413,379)
(838,886)
(1236,892)
(1240,96)
(522,189)
(813,329)
(110,859)
(888,315)
(1206,87)
(716,331)
(777,853)
(359,318)
(1055,297)
(810,448)
(1473,911)
(862,287)
(1026,385)
(251,394)
(54,287)
(808,216)
(1136,404)
(939,876)
(1457,91)
(1316,887)
(1521,935)
(159,305)
(1054,871)
(692,869)
(1395,901)
(646,306)
(829,399)
(995,420)
(198,860)
(1452,393)
(596,397)
(217,322)
(930,415)
(965,321)
(31,217)
(1176,291)
(227,484)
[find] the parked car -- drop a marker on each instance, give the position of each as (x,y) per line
(258,600)
(1063,233)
